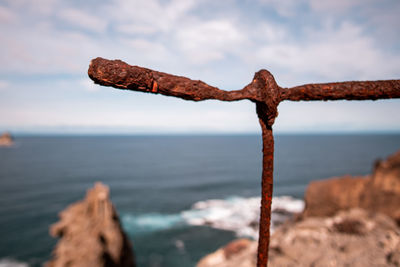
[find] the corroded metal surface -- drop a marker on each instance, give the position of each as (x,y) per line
(266,185)
(118,74)
(263,90)
(362,90)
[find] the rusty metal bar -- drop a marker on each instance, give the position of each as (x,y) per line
(263,91)
(118,74)
(266,185)
(362,90)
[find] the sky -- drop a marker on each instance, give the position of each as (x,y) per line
(47,45)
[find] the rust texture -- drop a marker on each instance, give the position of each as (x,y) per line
(118,74)
(266,184)
(262,90)
(344,90)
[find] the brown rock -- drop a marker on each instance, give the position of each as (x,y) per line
(383,191)
(379,192)
(351,238)
(6,139)
(91,234)
(326,197)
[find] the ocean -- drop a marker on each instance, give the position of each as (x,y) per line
(178,197)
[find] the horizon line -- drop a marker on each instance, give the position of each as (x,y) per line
(277,133)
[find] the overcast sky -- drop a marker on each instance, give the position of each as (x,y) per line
(46,46)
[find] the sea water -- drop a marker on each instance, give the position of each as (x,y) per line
(178,197)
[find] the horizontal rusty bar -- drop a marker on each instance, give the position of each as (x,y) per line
(356,90)
(263,87)
(117,73)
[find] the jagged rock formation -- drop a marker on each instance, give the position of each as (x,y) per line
(6,139)
(91,234)
(379,192)
(351,238)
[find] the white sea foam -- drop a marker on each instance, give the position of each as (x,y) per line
(240,215)
(234,214)
(150,222)
(288,204)
(237,214)
(7,262)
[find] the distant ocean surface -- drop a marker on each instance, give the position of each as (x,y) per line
(168,190)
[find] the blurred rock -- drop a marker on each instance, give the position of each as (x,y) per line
(6,139)
(91,234)
(326,197)
(379,192)
(238,253)
(351,238)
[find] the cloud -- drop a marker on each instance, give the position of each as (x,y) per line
(84,20)
(45,50)
(133,28)
(337,6)
(330,53)
(146,50)
(286,8)
(37,7)
(176,33)
(46,46)
(149,16)
(208,41)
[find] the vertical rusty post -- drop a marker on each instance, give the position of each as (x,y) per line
(266,185)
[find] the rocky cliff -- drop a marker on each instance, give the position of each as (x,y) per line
(379,192)
(91,234)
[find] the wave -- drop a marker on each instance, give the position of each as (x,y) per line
(7,262)
(241,215)
(237,214)
(150,222)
